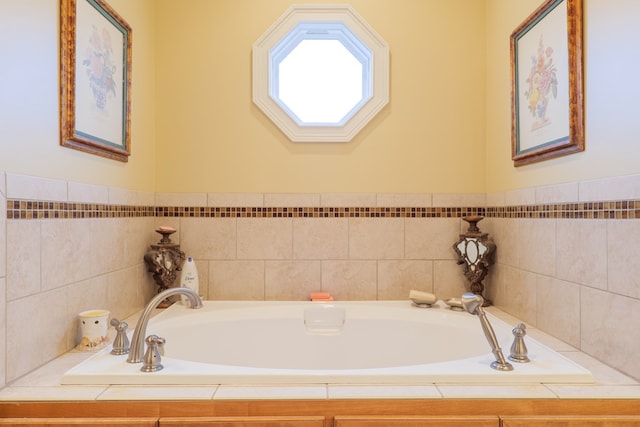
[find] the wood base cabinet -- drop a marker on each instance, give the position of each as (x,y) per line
(571,421)
(242,422)
(77,422)
(416,421)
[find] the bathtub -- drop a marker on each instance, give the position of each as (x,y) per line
(377,342)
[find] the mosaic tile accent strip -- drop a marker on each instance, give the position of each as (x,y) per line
(33,209)
(620,209)
(316,212)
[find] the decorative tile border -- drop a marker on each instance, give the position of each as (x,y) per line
(620,209)
(316,212)
(33,209)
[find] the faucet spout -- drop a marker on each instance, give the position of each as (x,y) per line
(473,304)
(136,351)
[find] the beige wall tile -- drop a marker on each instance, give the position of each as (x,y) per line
(140,235)
(623,257)
(65,251)
(123,196)
(559,193)
(265,238)
(88,193)
(558,309)
(582,252)
(431,238)
(448,279)
(37,328)
(291,200)
(107,244)
(3,331)
(181,199)
(320,238)
(3,184)
(459,200)
(236,280)
(616,188)
(35,188)
(504,233)
(208,238)
(146,198)
(350,280)
(235,199)
(291,280)
(397,278)
(521,289)
(394,200)
(523,196)
(23,258)
(337,200)
(537,246)
(608,329)
(496,199)
(3,232)
(376,238)
(128,291)
(88,294)
(494,285)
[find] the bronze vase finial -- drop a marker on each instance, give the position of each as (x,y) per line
(476,251)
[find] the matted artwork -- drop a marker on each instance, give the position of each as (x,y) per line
(547,87)
(95,79)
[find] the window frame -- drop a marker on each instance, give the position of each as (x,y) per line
(263,77)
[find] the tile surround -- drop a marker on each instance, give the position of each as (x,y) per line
(560,251)
(43,384)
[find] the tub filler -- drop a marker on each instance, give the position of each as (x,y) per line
(377,342)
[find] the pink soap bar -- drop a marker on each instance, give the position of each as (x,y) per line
(314,296)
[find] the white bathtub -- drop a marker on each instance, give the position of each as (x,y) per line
(381,342)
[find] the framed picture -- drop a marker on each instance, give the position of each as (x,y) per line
(95,79)
(547,118)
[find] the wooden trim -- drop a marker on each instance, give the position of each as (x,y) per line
(282,421)
(416,421)
(325,408)
(562,421)
(75,422)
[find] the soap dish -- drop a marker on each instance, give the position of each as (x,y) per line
(455,304)
(422,299)
(421,303)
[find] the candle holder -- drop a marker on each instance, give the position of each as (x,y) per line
(164,259)
(476,251)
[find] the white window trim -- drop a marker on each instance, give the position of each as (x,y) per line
(318,13)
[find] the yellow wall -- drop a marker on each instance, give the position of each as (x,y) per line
(195,128)
(612,60)
(29,126)
(430,138)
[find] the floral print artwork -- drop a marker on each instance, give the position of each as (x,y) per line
(542,85)
(99,66)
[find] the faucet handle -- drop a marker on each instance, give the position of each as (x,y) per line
(519,348)
(152,357)
(121,341)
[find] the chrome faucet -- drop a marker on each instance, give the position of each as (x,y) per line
(136,351)
(473,304)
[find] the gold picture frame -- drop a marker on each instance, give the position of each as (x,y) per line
(95,79)
(547,101)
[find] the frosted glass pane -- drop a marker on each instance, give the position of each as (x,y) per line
(320,81)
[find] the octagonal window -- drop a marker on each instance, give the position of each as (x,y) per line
(320,73)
